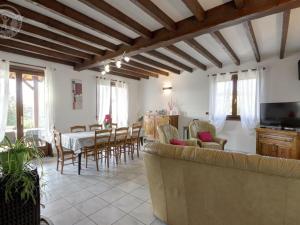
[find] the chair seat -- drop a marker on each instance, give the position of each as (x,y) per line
(212,145)
(68,152)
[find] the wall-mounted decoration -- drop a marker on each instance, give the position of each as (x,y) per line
(77,94)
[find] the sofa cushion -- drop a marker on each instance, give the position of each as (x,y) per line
(211,145)
(205,136)
(175,141)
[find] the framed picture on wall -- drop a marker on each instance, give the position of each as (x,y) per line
(77,94)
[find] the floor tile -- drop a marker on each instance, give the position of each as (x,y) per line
(128,220)
(107,216)
(55,207)
(143,213)
(91,205)
(141,193)
(128,186)
(69,216)
(79,196)
(112,195)
(98,188)
(85,221)
(127,203)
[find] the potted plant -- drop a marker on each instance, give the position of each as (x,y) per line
(19,183)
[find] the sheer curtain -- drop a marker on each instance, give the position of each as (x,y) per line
(4,94)
(103,94)
(120,104)
(248,98)
(220,99)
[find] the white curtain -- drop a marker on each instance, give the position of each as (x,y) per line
(103,95)
(48,105)
(220,99)
(120,104)
(4,94)
(248,98)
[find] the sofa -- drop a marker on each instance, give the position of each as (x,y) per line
(197,126)
(168,132)
(196,186)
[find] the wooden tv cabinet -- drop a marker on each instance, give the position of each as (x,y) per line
(278,143)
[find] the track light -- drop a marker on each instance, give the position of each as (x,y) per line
(126,58)
(103,72)
(118,64)
(106,68)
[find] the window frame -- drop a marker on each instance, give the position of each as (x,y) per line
(234,116)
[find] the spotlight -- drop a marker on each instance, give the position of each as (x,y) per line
(118,64)
(103,72)
(106,68)
(126,58)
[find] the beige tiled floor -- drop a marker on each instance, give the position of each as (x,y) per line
(118,195)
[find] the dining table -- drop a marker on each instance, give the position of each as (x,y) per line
(77,141)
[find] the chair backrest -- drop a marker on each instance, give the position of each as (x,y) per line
(96,127)
(167,132)
(77,128)
(121,135)
(136,130)
(114,125)
(57,142)
(197,126)
(102,137)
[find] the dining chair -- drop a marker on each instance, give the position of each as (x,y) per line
(134,141)
(94,127)
(101,147)
(63,154)
(120,141)
(78,128)
(114,125)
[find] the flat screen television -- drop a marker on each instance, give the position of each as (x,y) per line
(283,115)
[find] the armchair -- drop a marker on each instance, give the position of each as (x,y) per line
(168,132)
(197,126)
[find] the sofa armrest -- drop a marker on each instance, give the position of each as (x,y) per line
(221,141)
(198,141)
(191,143)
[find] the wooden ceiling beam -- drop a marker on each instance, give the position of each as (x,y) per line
(52,46)
(227,48)
(97,69)
(204,52)
(31,48)
(285,30)
(217,18)
(34,30)
(152,62)
(186,56)
(137,70)
(195,7)
(155,12)
(252,39)
(126,72)
(84,20)
(146,67)
(239,3)
(168,59)
(115,14)
(34,55)
(27,13)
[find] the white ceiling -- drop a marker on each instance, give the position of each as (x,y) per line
(267,29)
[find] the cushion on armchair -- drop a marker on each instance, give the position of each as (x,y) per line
(175,141)
(205,136)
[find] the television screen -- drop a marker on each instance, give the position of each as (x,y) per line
(284,115)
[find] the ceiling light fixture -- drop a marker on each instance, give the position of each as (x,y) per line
(117,62)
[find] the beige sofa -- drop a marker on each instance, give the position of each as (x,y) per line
(196,186)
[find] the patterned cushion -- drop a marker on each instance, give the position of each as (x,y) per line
(212,145)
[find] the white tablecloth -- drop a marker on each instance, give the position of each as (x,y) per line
(76,141)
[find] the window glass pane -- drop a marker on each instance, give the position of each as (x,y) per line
(223,88)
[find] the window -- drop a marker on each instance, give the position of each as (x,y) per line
(26,111)
(233,112)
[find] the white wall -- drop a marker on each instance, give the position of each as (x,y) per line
(65,116)
(191,92)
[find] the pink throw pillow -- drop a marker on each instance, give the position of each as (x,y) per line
(205,136)
(177,142)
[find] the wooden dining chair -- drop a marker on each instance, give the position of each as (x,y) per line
(101,147)
(78,128)
(114,125)
(94,127)
(63,154)
(133,141)
(119,143)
